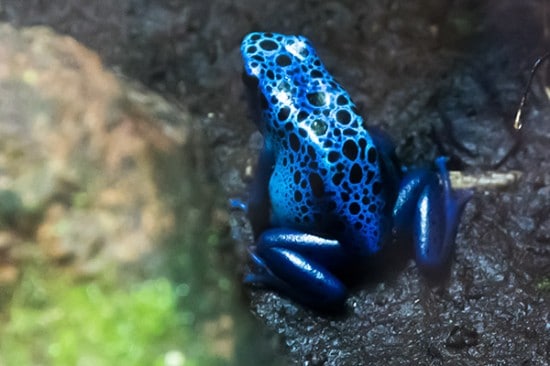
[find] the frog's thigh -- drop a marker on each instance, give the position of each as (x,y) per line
(303,263)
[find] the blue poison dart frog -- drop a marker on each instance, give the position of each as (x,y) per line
(328,191)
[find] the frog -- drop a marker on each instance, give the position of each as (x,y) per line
(328,191)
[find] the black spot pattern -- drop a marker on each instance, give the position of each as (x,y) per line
(350,149)
(326,178)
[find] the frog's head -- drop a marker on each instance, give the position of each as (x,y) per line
(272,64)
(291,91)
(264,52)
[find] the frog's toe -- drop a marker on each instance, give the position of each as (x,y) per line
(284,262)
(260,275)
(238,204)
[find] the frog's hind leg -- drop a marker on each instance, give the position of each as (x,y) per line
(439,210)
(257,207)
(301,266)
(428,210)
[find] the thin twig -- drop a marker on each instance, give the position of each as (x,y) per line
(538,62)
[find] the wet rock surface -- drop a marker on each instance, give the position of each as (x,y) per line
(440,77)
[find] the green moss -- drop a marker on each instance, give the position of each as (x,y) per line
(10,207)
(53,321)
(81,200)
(544,285)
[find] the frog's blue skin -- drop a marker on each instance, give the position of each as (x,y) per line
(327,192)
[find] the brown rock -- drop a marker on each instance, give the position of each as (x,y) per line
(76,149)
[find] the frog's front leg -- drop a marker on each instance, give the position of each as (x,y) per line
(258,205)
(428,210)
(301,266)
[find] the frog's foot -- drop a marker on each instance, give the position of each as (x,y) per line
(428,210)
(299,265)
(238,204)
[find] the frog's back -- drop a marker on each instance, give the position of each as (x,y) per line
(326,178)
